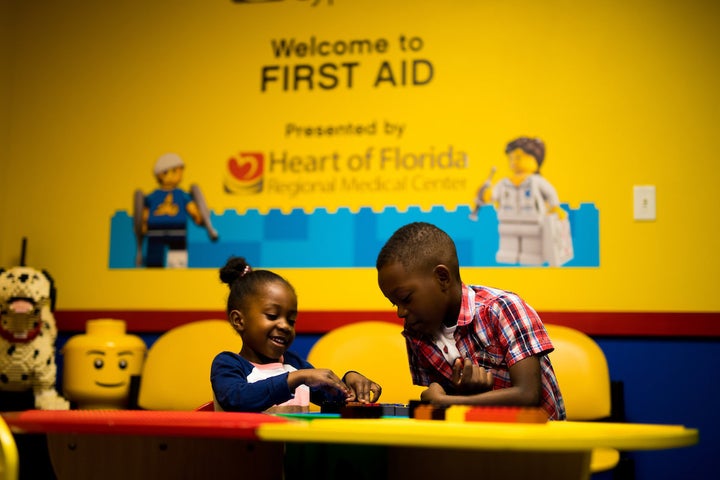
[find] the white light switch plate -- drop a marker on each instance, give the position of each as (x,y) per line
(644,202)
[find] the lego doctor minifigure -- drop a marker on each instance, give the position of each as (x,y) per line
(533,228)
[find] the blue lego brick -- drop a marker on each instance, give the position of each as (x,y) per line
(123,244)
(345,239)
(585,230)
(286,227)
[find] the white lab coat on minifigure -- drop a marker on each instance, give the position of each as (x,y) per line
(521,212)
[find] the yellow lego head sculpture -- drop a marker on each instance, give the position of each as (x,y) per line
(98,365)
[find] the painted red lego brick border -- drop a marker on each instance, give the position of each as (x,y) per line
(632,324)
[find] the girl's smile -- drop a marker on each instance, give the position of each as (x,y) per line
(267,324)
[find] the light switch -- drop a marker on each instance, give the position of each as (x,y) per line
(644,202)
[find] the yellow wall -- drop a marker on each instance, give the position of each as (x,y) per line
(4,96)
(623,93)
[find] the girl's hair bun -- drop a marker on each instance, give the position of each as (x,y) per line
(234,269)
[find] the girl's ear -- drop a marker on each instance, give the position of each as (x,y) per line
(237,320)
(442,275)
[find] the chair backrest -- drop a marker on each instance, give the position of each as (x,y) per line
(176,373)
(582,372)
(375,349)
(9,461)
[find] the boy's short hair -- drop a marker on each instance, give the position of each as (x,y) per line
(420,246)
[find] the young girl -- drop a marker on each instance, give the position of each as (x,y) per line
(262,307)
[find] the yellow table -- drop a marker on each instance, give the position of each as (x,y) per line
(425,448)
(168,445)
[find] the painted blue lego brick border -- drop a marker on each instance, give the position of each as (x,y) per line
(344,239)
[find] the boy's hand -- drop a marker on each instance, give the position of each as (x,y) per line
(362,389)
(434,394)
(469,378)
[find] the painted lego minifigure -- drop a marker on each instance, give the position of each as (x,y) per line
(162,216)
(525,201)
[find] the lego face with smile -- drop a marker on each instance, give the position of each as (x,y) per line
(111,368)
(98,366)
(99,377)
(522,162)
(171,178)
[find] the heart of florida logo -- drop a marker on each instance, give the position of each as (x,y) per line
(245,173)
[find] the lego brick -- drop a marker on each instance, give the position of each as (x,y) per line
(429,412)
(361,410)
(506,414)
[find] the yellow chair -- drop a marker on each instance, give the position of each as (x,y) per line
(176,373)
(582,373)
(9,460)
(375,349)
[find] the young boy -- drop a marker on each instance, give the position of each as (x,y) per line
(469,344)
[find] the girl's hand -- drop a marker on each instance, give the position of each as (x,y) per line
(319,378)
(363,389)
(434,394)
(469,378)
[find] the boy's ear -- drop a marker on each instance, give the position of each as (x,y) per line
(237,320)
(442,274)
